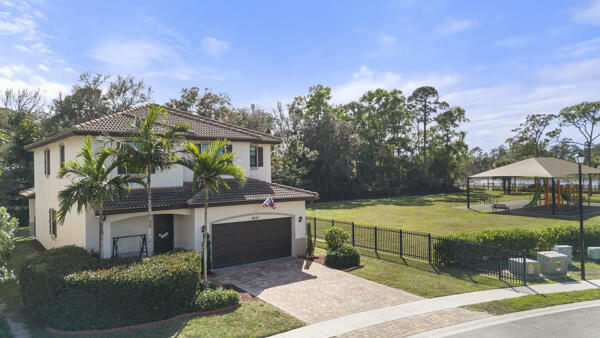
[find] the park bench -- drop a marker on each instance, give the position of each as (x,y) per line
(500,207)
(486,199)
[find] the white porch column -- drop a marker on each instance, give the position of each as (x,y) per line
(198,222)
(107,239)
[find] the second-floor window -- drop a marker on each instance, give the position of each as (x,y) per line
(62,156)
(47,162)
(122,170)
(256,156)
(52,222)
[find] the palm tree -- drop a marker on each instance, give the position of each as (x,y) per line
(209,166)
(151,147)
(91,184)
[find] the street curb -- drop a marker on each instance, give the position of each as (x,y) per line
(496,320)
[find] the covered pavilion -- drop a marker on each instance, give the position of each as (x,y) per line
(535,167)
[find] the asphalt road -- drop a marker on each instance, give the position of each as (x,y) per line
(573,323)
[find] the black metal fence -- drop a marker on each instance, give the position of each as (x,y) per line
(437,250)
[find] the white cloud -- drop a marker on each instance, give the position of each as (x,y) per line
(43,67)
(513,41)
(583,48)
(23,48)
(131,55)
(505,105)
(366,81)
(363,72)
(386,40)
(589,14)
(19,76)
(214,46)
(455,26)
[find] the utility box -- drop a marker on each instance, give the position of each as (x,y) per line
(552,263)
(532,267)
(593,252)
(565,250)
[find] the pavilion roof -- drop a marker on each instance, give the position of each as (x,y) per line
(538,167)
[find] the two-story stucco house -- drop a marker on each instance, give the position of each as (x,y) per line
(241,229)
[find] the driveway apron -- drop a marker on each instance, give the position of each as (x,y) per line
(311,291)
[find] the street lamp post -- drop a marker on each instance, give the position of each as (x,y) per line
(579,159)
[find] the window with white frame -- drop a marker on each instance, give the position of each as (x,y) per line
(52,222)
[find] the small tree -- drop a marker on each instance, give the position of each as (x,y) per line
(8,226)
(150,147)
(91,184)
(209,168)
(310,246)
(335,238)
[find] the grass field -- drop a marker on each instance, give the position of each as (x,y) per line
(530,302)
(252,319)
(433,213)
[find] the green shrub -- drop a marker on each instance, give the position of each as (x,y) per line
(213,299)
(335,238)
(68,288)
(310,245)
(343,258)
(520,240)
(8,226)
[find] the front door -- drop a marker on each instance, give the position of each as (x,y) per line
(163,233)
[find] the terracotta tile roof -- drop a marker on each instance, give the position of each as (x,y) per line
(255,191)
(201,128)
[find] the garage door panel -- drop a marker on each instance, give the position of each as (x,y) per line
(251,241)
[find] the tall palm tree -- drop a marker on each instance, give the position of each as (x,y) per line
(92,183)
(209,166)
(151,147)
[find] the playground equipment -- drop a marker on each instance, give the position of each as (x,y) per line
(566,195)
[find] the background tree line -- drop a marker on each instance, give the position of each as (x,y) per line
(541,135)
(385,143)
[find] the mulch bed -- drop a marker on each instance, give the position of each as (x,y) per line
(321,260)
(244,295)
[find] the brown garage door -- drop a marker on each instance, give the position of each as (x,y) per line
(252,241)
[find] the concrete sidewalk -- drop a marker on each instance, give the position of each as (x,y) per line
(345,324)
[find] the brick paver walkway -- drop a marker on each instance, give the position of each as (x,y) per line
(416,324)
(311,291)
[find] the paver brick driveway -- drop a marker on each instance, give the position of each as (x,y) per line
(311,291)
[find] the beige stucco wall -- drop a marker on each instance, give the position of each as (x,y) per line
(46,196)
(188,224)
(82,228)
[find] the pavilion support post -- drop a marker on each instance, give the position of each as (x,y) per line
(553,198)
(468,195)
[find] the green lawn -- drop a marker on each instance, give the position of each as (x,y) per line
(252,319)
(432,213)
(419,278)
(530,302)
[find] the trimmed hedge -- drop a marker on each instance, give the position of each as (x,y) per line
(67,288)
(520,240)
(343,258)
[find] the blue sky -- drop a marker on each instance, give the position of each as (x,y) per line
(500,60)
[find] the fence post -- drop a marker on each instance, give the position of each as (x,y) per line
(524,267)
(429,248)
(401,245)
(315,227)
(352,233)
(375,239)
(499,262)
(332,223)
